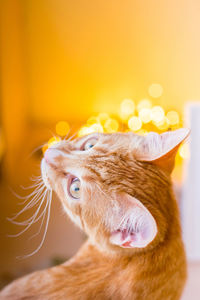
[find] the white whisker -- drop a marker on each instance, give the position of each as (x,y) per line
(29,205)
(36,178)
(42,222)
(71,137)
(38,183)
(27,222)
(34,217)
(28,196)
(49,196)
(35,150)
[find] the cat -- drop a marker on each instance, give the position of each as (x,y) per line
(117,188)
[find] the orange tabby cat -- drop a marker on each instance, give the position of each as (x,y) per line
(117,188)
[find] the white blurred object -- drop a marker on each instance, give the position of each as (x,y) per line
(190,202)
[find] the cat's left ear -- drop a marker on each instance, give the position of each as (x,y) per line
(137,227)
(161,149)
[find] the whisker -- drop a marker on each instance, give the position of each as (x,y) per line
(26,222)
(36,191)
(49,196)
(34,200)
(42,222)
(66,136)
(29,225)
(72,136)
(28,196)
(24,197)
(35,178)
(38,183)
(35,150)
(29,205)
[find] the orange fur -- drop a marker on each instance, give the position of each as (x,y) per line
(101,270)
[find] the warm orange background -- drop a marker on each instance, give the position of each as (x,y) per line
(64,59)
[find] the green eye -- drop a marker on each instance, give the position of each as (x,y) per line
(89,144)
(75,189)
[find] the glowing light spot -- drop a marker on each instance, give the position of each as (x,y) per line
(127,108)
(135,123)
(53,141)
(92,120)
(145,103)
(155,90)
(111,125)
(62,128)
(145,115)
(103,117)
(163,125)
(84,131)
(96,128)
(184,151)
(157,114)
(173,118)
(44,148)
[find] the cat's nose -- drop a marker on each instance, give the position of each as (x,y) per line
(51,155)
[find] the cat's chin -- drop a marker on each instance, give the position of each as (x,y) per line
(44,167)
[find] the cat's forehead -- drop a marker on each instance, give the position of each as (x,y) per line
(118,139)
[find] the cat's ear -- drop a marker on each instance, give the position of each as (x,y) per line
(161,149)
(137,227)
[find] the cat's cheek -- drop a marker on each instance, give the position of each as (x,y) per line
(75,218)
(45,169)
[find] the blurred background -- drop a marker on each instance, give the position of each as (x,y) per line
(82,66)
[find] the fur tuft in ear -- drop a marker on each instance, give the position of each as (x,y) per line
(161,149)
(137,228)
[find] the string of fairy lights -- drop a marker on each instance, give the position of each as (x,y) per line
(140,117)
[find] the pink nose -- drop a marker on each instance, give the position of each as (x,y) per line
(51,155)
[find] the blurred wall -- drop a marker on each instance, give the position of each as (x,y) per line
(67,59)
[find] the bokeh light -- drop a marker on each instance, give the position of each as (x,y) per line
(62,128)
(54,140)
(184,151)
(145,115)
(155,90)
(90,129)
(135,123)
(96,128)
(162,125)
(127,108)
(145,103)
(92,120)
(103,117)
(157,114)
(173,118)
(111,125)
(142,120)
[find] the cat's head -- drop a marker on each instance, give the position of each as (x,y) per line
(117,186)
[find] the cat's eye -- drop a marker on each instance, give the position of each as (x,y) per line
(89,144)
(75,188)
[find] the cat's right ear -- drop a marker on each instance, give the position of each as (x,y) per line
(161,149)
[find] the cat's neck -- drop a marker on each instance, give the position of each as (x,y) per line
(121,274)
